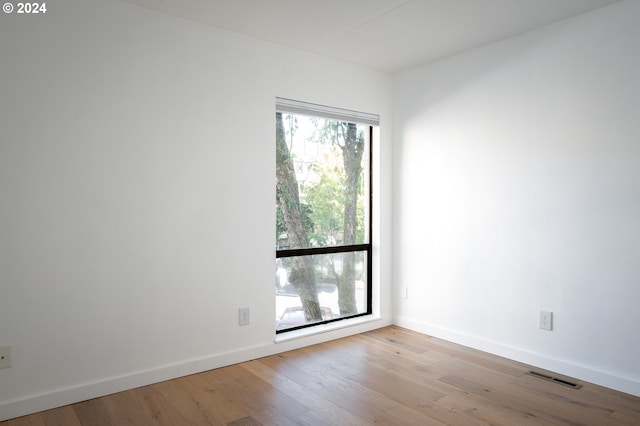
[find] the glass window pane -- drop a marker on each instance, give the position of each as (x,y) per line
(312,289)
(322,179)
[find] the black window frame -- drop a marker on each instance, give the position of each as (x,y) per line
(366,247)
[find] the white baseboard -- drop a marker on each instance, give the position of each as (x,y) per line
(82,392)
(567,368)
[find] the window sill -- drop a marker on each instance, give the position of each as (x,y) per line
(324,328)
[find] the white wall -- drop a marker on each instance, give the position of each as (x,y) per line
(137,184)
(517,188)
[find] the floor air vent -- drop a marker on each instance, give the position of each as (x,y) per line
(554,380)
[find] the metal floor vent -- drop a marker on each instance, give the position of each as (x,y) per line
(554,379)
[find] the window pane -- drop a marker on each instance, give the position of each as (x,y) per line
(322,181)
(334,286)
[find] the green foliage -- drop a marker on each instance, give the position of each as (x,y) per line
(327,198)
(331,131)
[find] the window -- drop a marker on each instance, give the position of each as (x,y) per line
(323,214)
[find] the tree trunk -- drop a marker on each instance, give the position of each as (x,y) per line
(352,151)
(302,275)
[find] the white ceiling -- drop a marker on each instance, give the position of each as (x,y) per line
(389,35)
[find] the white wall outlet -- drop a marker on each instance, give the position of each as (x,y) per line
(546,320)
(243,316)
(5,357)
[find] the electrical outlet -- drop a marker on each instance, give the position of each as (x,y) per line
(546,320)
(243,316)
(404,293)
(5,357)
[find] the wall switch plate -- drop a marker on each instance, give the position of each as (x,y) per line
(5,357)
(243,316)
(546,320)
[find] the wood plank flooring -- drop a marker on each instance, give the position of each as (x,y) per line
(390,376)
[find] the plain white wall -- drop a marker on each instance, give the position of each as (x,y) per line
(517,188)
(137,188)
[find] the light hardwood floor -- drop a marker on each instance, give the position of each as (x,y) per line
(390,376)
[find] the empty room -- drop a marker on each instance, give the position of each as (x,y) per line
(273,212)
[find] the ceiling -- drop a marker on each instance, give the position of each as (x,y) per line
(388,35)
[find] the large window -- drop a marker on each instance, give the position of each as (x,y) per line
(323,214)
